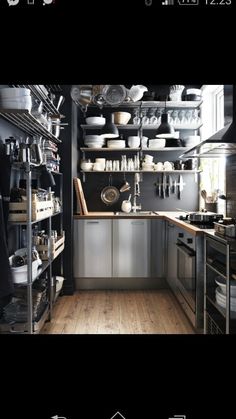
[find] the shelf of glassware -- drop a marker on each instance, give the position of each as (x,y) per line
(140,171)
(145,127)
(156,104)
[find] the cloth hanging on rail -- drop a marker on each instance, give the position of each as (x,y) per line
(6,282)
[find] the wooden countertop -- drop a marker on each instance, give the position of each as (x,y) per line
(164,215)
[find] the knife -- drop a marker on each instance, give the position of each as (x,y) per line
(159,186)
(164,185)
(181,186)
(168,186)
(175,186)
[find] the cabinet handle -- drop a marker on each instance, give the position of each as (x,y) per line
(138,223)
(92,222)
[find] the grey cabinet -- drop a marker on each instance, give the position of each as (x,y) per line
(158,248)
(92,248)
(171,262)
(131,248)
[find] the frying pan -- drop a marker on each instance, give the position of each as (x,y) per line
(110,194)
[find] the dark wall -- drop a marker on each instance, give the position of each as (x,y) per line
(231,170)
(95,182)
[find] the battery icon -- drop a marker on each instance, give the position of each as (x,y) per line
(189,2)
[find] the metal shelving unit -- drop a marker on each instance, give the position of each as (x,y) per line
(218,319)
(85,149)
(25,121)
(41,93)
(155,104)
(28,123)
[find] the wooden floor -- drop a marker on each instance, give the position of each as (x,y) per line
(118,312)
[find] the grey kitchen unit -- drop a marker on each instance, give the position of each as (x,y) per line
(119,253)
(171,260)
(131,248)
(93,245)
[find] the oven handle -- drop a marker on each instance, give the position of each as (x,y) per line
(189,252)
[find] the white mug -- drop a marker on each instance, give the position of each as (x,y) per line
(159,166)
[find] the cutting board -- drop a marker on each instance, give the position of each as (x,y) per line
(79,205)
(80,193)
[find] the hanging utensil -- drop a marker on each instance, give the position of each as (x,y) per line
(110,194)
(163,185)
(204,195)
(180,186)
(168,185)
(126,186)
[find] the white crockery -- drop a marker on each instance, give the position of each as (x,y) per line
(86,166)
(99,167)
(95,120)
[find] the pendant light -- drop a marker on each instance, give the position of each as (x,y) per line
(110,130)
(165,127)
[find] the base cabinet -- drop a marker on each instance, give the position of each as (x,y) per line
(131,248)
(92,248)
(171,262)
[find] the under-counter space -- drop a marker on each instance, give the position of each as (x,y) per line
(164,215)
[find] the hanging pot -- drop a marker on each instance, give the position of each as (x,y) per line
(110,194)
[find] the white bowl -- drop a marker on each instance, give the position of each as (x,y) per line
(93,137)
(197,92)
(95,120)
(86,166)
(222,284)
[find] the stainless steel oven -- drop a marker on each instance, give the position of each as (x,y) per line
(186,270)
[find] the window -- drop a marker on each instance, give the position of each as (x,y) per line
(212,114)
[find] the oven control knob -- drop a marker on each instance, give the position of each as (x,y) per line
(189,241)
(181,235)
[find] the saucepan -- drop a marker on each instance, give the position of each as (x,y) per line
(110,194)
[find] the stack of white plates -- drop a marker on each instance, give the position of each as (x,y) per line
(94,141)
(221,300)
(15,98)
(157,143)
(116,144)
(222,284)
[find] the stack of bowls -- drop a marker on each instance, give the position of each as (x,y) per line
(86,166)
(116,144)
(15,98)
(133,141)
(95,120)
(148,164)
(94,141)
(157,143)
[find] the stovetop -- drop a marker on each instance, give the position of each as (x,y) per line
(202,226)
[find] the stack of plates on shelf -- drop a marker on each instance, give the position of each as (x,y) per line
(157,143)
(94,141)
(116,144)
(222,284)
(15,98)
(221,300)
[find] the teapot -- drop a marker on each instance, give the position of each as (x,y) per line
(136,92)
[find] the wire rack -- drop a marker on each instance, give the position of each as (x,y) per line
(41,93)
(211,326)
(25,121)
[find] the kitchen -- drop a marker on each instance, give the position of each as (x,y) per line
(107,184)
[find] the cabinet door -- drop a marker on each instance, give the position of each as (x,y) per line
(93,248)
(158,248)
(172,231)
(131,248)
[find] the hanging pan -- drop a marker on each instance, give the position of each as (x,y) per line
(110,194)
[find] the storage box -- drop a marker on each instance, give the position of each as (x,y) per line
(40,210)
(225,230)
(56,248)
(19,274)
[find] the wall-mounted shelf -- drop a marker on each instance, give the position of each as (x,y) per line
(141,171)
(28,123)
(155,104)
(145,127)
(133,149)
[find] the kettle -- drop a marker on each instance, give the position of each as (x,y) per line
(136,92)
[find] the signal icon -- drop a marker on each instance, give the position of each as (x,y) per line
(168,3)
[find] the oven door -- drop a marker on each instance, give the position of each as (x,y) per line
(186,273)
